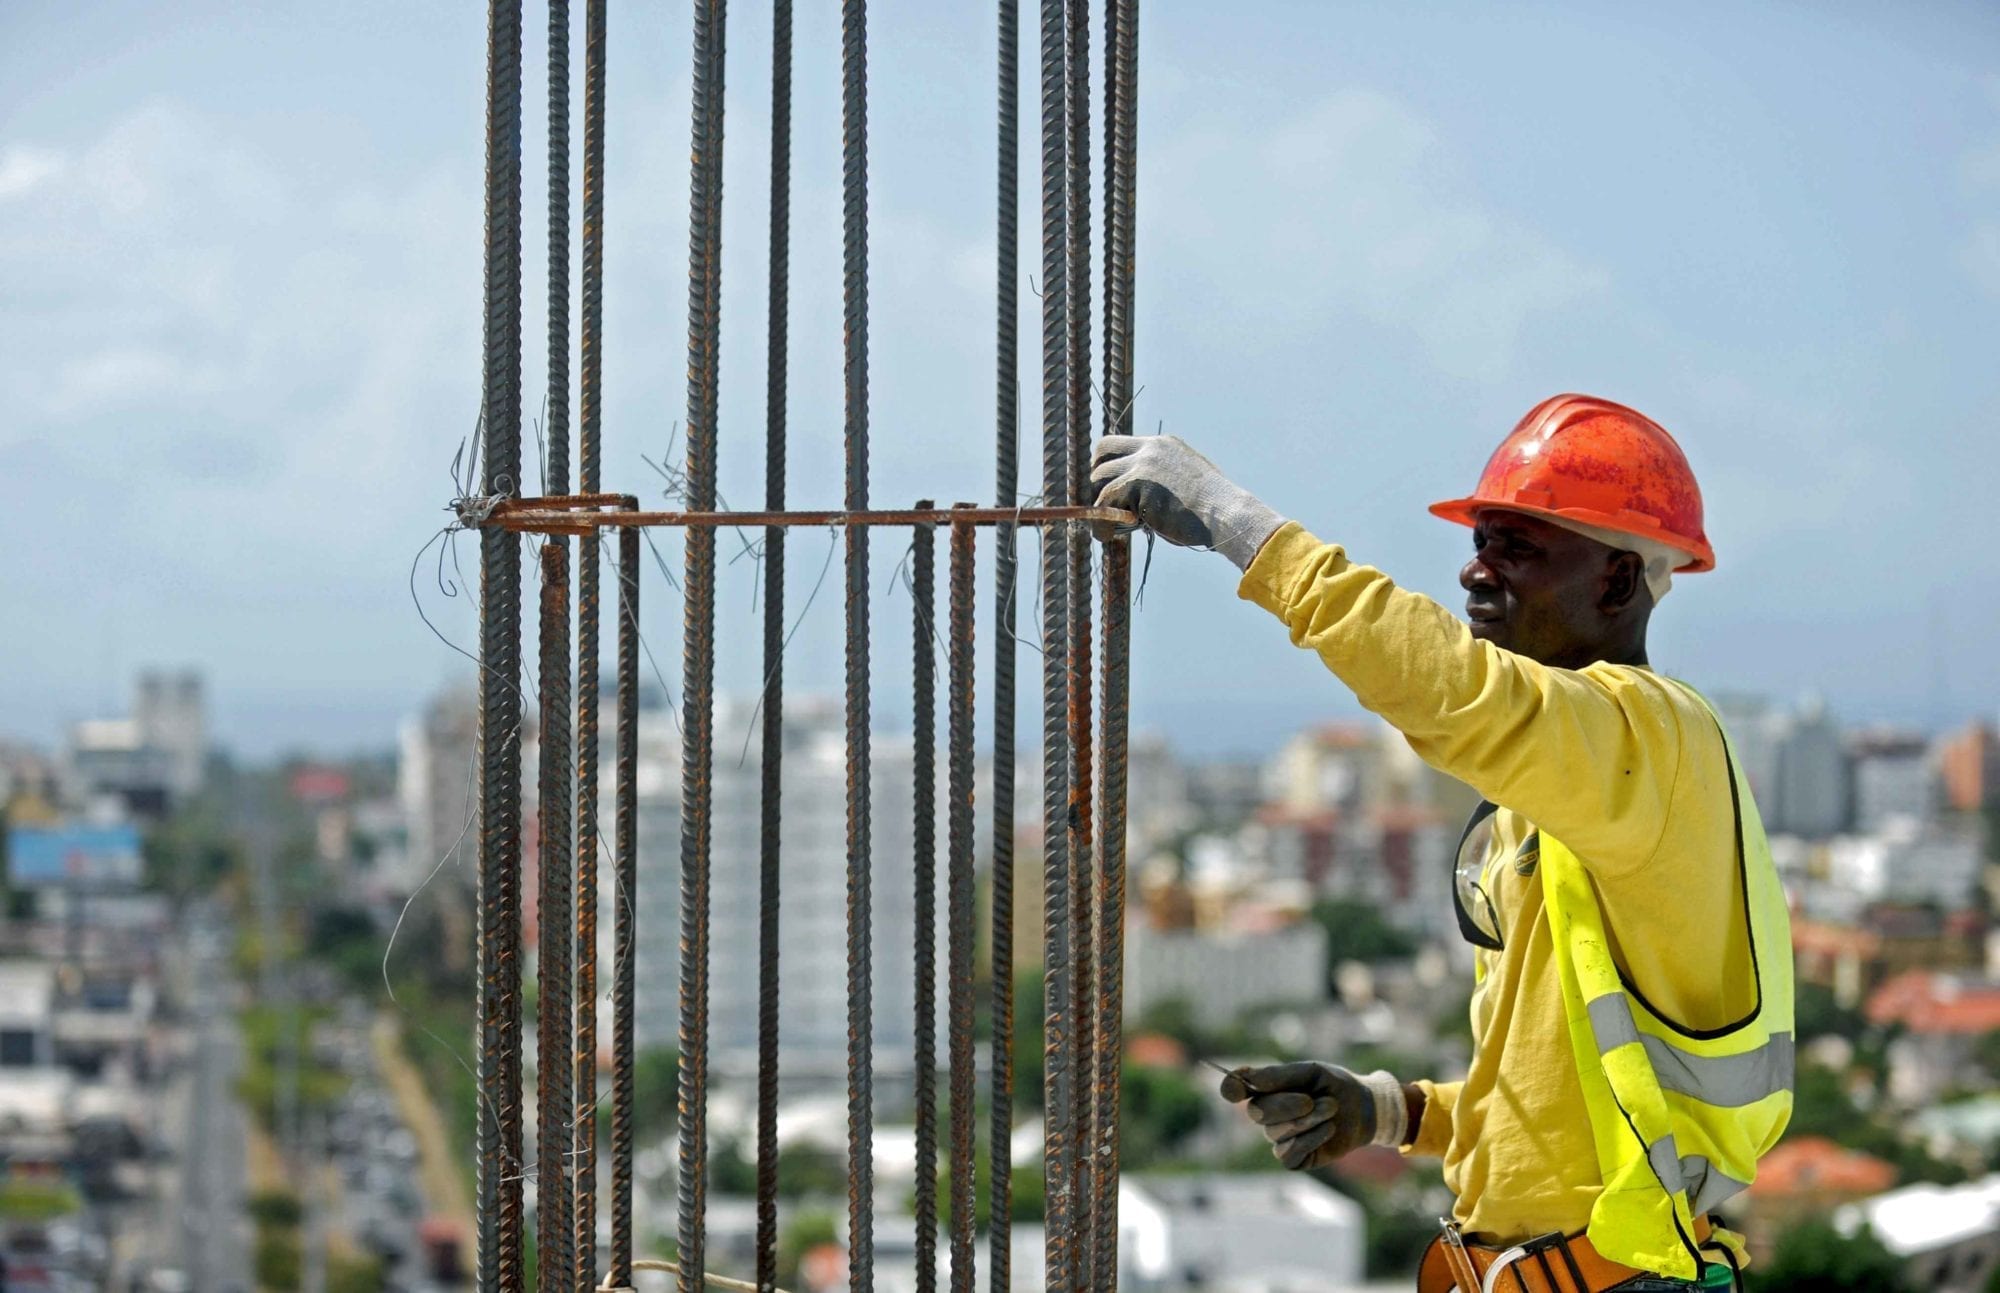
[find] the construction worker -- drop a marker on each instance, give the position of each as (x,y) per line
(1632,1014)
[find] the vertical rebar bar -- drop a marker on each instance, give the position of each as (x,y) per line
(554,1021)
(553,1233)
(625,922)
(1059,1042)
(499,1127)
(589,435)
(860,981)
(1121,154)
(1000,941)
(698,650)
(1078,647)
(774,649)
(1121,118)
(558,390)
(959,902)
(1110,1003)
(923,702)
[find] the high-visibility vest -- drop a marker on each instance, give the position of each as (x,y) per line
(1680,1115)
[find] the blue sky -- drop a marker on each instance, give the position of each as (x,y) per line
(239,295)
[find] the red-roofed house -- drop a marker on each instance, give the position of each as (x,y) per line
(1809,1176)
(1943,1017)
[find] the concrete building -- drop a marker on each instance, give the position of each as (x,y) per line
(149,759)
(1894,777)
(1812,777)
(813,883)
(1947,1236)
(1221,973)
(170,714)
(1907,861)
(1267,1232)
(1969,761)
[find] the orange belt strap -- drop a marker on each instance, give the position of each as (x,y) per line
(1547,1265)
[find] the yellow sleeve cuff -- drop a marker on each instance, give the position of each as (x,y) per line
(1273,577)
(1434,1132)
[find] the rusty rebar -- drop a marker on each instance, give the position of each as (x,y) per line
(1110,898)
(1076,263)
(1000,939)
(554,1237)
(588,620)
(499,952)
(698,649)
(860,979)
(572,516)
(625,921)
(923,761)
(768,948)
(960,900)
(1121,108)
(1059,1044)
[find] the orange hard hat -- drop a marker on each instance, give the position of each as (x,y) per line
(1582,459)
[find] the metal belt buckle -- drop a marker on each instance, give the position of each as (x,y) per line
(1537,1248)
(1464,1274)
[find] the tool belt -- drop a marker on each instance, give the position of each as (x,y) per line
(1551,1263)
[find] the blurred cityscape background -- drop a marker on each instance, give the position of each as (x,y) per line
(206,1082)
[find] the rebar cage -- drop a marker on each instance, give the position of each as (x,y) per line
(1083,744)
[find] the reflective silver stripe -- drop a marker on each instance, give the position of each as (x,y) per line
(1726,1081)
(1707,1185)
(1665,1158)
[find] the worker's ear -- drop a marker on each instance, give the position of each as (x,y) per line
(1624,584)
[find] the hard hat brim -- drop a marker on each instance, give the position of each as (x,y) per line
(1462,511)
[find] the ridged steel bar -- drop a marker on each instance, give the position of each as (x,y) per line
(923,709)
(860,979)
(1121,107)
(1115,700)
(1059,1043)
(625,920)
(557,430)
(554,1237)
(1000,939)
(568,516)
(960,900)
(698,650)
(1121,156)
(499,1128)
(1077,305)
(590,406)
(776,343)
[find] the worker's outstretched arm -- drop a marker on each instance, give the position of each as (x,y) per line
(1590,755)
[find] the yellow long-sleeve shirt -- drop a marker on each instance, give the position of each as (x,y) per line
(1626,768)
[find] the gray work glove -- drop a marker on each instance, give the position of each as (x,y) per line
(1313,1113)
(1180,496)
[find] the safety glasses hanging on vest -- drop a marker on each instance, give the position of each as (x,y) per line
(1478,917)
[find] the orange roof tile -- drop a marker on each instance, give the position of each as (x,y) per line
(1815,1165)
(1936,1003)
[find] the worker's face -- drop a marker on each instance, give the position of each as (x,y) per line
(1543,591)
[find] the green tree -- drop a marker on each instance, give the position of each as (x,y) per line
(1813,1255)
(1357,931)
(656,1075)
(1160,1109)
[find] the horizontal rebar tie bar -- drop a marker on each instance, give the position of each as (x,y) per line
(580,513)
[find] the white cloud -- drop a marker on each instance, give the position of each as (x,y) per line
(24,169)
(191,321)
(1355,204)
